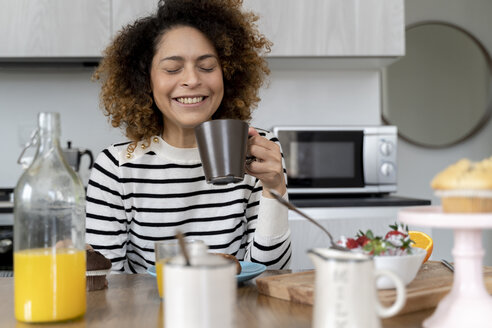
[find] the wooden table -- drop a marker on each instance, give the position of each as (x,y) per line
(133,301)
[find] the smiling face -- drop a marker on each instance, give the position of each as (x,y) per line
(186,81)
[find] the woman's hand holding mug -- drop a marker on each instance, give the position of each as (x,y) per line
(268,164)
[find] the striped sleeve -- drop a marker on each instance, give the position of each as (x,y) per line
(106,221)
(268,227)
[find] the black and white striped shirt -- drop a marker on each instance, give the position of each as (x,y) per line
(132,202)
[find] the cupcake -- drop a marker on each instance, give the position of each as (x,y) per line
(465,187)
(97,267)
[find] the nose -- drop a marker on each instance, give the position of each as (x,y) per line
(190,78)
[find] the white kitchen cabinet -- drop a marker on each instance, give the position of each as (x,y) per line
(334,28)
(125,12)
(54,28)
(312,28)
(338,221)
(309,28)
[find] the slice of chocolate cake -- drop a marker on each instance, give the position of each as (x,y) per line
(96,270)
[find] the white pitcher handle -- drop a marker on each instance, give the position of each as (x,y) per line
(401,294)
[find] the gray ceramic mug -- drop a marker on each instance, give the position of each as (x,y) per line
(223,146)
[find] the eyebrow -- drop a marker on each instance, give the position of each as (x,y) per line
(179,58)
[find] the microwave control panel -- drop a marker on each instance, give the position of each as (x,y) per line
(380,158)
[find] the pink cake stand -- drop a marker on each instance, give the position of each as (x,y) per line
(468,304)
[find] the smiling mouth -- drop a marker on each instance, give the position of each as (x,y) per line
(190,100)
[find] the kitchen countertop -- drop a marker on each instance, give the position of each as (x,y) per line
(133,301)
(321,201)
(355,201)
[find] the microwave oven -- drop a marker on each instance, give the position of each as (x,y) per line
(339,160)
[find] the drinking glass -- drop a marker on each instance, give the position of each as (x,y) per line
(166,250)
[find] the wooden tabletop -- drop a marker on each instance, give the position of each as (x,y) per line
(133,301)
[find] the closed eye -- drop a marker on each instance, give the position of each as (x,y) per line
(206,69)
(172,71)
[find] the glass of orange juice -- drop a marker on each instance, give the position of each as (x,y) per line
(166,250)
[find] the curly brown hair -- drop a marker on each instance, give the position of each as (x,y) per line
(126,95)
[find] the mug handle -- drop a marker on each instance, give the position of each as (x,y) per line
(401,293)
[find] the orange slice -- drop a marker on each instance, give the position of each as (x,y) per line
(422,240)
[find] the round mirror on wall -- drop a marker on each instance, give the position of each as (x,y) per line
(440,92)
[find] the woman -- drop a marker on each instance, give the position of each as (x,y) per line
(190,62)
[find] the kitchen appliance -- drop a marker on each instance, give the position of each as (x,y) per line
(6,247)
(74,155)
(339,159)
(6,232)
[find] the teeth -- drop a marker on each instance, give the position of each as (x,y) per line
(193,100)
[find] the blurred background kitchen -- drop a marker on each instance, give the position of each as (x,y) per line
(331,65)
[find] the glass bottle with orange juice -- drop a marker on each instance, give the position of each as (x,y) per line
(49,234)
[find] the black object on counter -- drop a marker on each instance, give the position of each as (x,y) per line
(355,201)
(6,253)
(5,193)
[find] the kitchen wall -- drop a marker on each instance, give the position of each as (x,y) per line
(292,96)
(417,165)
(318,96)
(25,91)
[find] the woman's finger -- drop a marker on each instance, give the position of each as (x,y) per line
(257,167)
(252,132)
(258,151)
(263,142)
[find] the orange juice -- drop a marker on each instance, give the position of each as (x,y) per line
(49,285)
(159,270)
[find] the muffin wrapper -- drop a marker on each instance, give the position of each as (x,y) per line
(96,279)
(93,273)
(464,193)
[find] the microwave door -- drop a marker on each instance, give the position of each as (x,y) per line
(323,159)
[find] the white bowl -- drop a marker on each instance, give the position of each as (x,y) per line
(405,267)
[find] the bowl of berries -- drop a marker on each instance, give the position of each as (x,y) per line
(396,251)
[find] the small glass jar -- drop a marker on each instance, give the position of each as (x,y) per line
(49,234)
(166,250)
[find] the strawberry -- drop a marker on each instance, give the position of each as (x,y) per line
(397,231)
(395,240)
(394,233)
(362,240)
(352,243)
